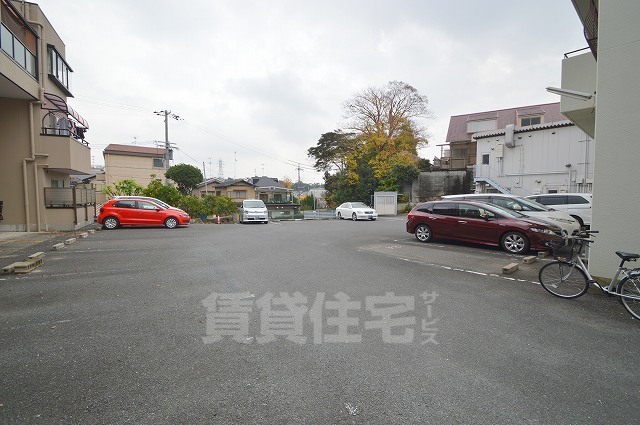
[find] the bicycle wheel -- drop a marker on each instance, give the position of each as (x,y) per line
(630,287)
(563,280)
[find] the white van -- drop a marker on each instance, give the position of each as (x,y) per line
(578,205)
(253,210)
(526,207)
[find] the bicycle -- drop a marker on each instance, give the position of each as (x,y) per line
(568,277)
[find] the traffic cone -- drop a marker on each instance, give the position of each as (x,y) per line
(217,219)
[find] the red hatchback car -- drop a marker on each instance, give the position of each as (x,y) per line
(140,212)
(481,223)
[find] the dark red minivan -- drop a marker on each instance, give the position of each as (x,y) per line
(481,223)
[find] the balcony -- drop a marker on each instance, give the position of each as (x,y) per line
(579,74)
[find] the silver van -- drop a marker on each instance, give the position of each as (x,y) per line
(578,205)
(525,206)
(253,210)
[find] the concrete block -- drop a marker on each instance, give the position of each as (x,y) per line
(58,246)
(9,269)
(91,231)
(510,268)
(530,259)
(83,235)
(27,265)
(36,255)
(70,241)
(543,254)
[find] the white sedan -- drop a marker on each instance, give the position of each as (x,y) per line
(356,211)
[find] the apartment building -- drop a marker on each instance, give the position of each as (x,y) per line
(601,94)
(42,139)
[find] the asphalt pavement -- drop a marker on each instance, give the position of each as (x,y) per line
(304,322)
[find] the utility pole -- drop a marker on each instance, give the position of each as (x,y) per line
(167,147)
(298,182)
(204,169)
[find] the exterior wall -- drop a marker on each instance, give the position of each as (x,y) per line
(29,161)
(548,159)
(433,184)
(615,191)
(119,167)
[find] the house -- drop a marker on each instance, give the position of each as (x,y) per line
(42,138)
(459,150)
(141,164)
(545,158)
(524,151)
(600,93)
(278,199)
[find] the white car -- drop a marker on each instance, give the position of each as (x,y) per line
(525,206)
(578,205)
(254,210)
(356,211)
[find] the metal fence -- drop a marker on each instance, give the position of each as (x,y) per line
(69,197)
(320,215)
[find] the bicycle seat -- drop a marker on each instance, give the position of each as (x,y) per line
(627,255)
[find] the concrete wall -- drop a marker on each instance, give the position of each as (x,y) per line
(432,184)
(617,171)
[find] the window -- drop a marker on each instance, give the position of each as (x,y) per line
(146,205)
(527,121)
(481,125)
(58,68)
(158,162)
(125,204)
(239,194)
(572,199)
(57,183)
(485,159)
(446,209)
(553,200)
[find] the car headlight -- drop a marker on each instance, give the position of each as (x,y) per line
(185,215)
(545,231)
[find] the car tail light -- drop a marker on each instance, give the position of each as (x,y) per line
(409,216)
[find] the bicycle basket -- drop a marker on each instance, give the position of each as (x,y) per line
(562,248)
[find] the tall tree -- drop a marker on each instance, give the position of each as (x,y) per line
(332,150)
(186,177)
(385,110)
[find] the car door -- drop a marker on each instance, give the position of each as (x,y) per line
(148,214)
(126,211)
(477,224)
(443,220)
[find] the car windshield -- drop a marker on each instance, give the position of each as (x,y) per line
(505,211)
(253,204)
(529,205)
(358,205)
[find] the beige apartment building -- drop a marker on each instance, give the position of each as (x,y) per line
(138,163)
(42,138)
(600,93)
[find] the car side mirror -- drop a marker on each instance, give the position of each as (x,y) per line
(158,209)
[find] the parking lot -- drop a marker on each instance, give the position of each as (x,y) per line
(326,322)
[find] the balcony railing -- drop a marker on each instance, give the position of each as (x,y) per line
(69,197)
(17,51)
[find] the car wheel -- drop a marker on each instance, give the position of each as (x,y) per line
(515,243)
(354,217)
(579,220)
(423,233)
(339,216)
(110,223)
(170,223)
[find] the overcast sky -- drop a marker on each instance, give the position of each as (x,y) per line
(257,82)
